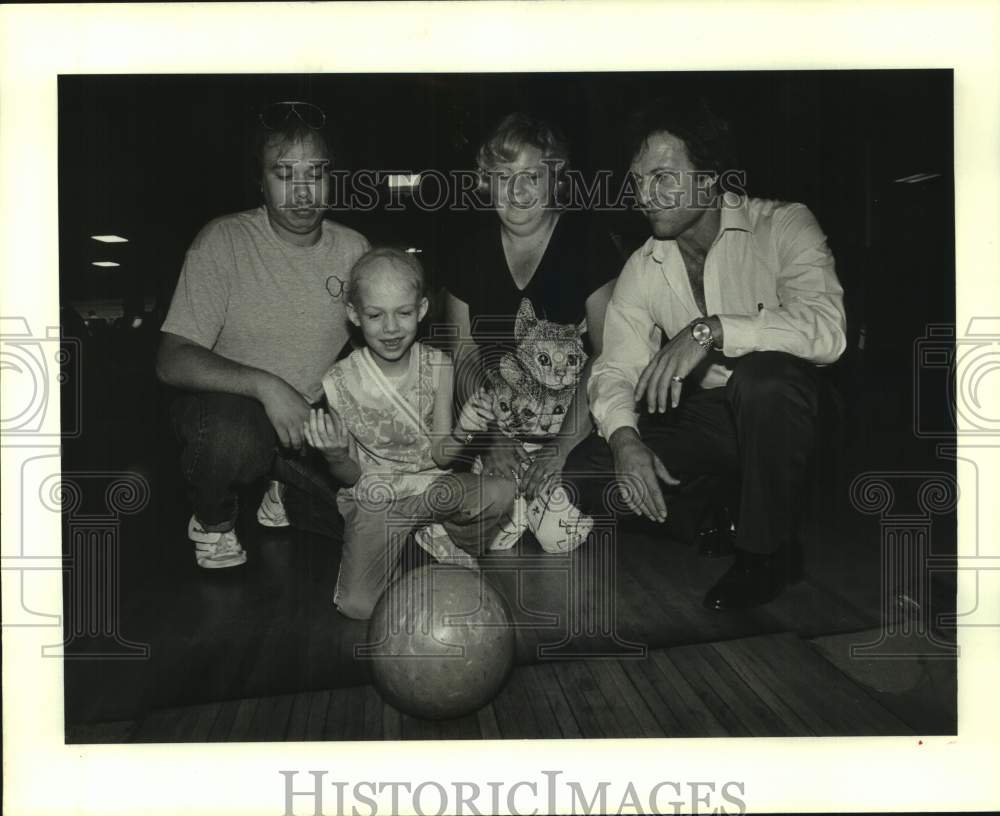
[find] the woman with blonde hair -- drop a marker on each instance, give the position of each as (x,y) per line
(528,297)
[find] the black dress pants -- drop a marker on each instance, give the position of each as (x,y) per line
(757,432)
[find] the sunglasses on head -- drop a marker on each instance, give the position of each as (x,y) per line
(274,116)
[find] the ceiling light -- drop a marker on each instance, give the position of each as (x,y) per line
(404,180)
(916,177)
(106,263)
(110,239)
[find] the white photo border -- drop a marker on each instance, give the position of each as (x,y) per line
(38,43)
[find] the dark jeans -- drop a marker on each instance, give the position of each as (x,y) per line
(228,443)
(758,432)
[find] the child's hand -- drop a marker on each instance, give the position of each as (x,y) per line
(477,413)
(327,434)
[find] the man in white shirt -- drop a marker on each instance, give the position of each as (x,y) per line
(256,321)
(744,296)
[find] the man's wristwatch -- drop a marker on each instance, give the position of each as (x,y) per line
(701,333)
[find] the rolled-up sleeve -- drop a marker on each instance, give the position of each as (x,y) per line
(809,320)
(631,338)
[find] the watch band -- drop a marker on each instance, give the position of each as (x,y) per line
(707,341)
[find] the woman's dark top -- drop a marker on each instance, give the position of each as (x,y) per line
(529,340)
(579,259)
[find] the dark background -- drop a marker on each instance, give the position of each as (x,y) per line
(153,158)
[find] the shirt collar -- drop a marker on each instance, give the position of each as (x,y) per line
(730,218)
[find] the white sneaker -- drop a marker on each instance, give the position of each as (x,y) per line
(271,512)
(513,528)
(215,550)
(558,525)
(434,539)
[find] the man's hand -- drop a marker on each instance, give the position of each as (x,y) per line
(663,377)
(639,471)
(327,434)
(545,467)
(286,409)
(506,458)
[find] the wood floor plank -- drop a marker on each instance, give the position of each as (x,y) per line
(808,608)
(241,722)
(876,719)
(223,725)
(814,682)
(373,713)
(564,714)
(157,726)
(625,699)
(488,726)
(627,725)
(637,672)
(675,582)
(416,728)
(271,630)
(585,698)
(734,691)
(767,685)
(319,705)
(460,728)
(799,722)
(298,717)
(204,720)
(810,704)
(548,726)
(654,605)
(505,578)
(392,723)
(335,727)
(710,690)
(183,725)
(276,724)
(354,720)
(258,729)
(630,601)
(513,711)
(698,718)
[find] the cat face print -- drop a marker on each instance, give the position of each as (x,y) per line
(522,407)
(516,410)
(550,352)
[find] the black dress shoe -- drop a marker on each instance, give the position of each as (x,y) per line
(752,580)
(717,542)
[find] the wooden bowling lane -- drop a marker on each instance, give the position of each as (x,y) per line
(271,629)
(770,685)
(608,596)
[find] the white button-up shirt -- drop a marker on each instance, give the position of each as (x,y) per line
(769,277)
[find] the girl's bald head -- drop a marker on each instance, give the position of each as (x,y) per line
(385,263)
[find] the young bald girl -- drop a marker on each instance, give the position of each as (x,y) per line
(389,437)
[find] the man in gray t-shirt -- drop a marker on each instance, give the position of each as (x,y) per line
(256,320)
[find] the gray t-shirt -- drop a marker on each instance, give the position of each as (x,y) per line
(252,298)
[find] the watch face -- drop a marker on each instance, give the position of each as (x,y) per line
(701,332)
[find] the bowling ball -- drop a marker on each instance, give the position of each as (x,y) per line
(441,642)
